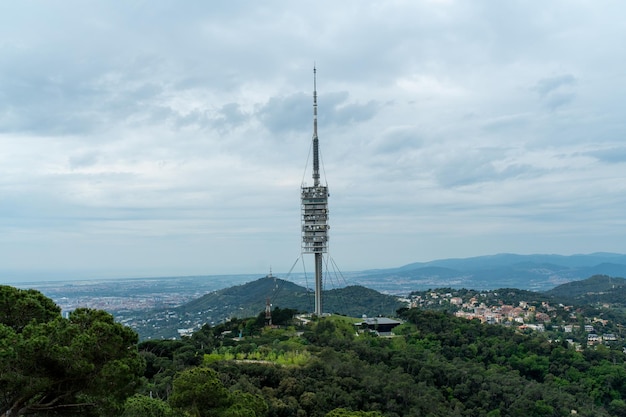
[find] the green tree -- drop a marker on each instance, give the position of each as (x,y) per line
(246,405)
(144,406)
(84,364)
(21,307)
(342,412)
(200,392)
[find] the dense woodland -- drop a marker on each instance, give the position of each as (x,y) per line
(435,365)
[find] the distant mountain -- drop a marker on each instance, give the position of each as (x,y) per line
(596,289)
(250,299)
(507,259)
(530,272)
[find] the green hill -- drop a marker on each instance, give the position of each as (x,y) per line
(596,289)
(249,299)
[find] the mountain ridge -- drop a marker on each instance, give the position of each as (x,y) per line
(537,272)
(499,259)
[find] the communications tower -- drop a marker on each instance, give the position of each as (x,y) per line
(315,211)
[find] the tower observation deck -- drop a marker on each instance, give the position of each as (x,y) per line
(315,211)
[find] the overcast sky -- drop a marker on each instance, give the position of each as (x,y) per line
(157,138)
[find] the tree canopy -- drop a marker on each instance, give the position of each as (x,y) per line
(87,363)
(436,365)
(19,307)
(200,393)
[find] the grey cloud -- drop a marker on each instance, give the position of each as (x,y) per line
(556,91)
(559,99)
(467,167)
(42,105)
(506,123)
(152,115)
(399,140)
(65,105)
(336,110)
(289,113)
(230,115)
(193,118)
(83,159)
(295,112)
(332,100)
(612,155)
(517,170)
(465,173)
(547,85)
(353,113)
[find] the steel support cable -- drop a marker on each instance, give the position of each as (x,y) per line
(306,280)
(282,283)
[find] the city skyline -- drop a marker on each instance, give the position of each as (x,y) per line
(143,139)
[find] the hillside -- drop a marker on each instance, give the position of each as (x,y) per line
(249,299)
(597,289)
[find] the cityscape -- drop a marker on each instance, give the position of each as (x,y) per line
(533,314)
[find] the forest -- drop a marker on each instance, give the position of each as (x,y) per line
(435,364)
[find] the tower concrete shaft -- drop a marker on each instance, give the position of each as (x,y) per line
(318,284)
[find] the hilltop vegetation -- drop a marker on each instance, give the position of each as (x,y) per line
(437,365)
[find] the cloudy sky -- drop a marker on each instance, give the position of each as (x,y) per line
(157,138)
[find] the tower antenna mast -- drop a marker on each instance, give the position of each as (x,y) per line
(315,211)
(316,143)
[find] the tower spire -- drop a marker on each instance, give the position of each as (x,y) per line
(316,152)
